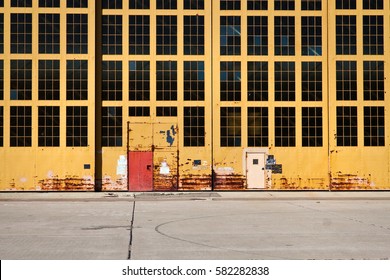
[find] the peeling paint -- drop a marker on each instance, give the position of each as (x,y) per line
(165,182)
(284,183)
(120,184)
(229,182)
(195,183)
(71,183)
(351,182)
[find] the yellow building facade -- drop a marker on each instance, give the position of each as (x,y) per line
(140,95)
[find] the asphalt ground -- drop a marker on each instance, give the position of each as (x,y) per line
(195,226)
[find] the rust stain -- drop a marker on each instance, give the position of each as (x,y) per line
(71,183)
(120,184)
(229,182)
(195,183)
(284,183)
(165,183)
(350,182)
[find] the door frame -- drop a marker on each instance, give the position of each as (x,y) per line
(247,151)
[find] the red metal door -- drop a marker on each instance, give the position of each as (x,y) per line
(140,171)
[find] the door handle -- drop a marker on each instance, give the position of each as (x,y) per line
(148,167)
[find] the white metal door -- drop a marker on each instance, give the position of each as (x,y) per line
(255,170)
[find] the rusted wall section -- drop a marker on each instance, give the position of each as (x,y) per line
(229,182)
(195,183)
(351,182)
(284,183)
(108,184)
(71,183)
(165,183)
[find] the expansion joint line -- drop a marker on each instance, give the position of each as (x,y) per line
(131,231)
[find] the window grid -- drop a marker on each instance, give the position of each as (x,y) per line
(311,5)
(346,4)
(311,36)
(373,4)
(1,126)
(76,126)
(112,4)
(20,126)
(166,111)
(374,80)
(112,34)
(194,35)
(230,35)
(139,111)
(139,34)
(311,81)
(77,33)
(284,35)
(194,126)
(346,35)
(284,81)
(284,5)
(21,80)
(77,80)
(257,126)
(257,4)
(257,35)
(166,80)
(111,126)
(21,33)
(284,126)
(166,4)
(139,80)
(166,35)
(257,81)
(49,33)
(77,3)
(1,33)
(230,4)
(194,80)
(49,80)
(230,81)
(48,126)
(312,127)
(21,3)
(373,40)
(139,4)
(347,129)
(346,80)
(374,126)
(230,127)
(49,3)
(112,80)
(194,4)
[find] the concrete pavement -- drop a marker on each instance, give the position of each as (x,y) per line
(206,225)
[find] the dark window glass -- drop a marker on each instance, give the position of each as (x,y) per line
(284,35)
(312,127)
(374,126)
(194,80)
(77,80)
(166,80)
(77,33)
(139,34)
(112,34)
(1,3)
(193,4)
(49,33)
(194,35)
(139,111)
(312,36)
(21,3)
(346,80)
(76,126)
(112,4)
(20,126)
(285,127)
(112,80)
(257,81)
(49,80)
(48,126)
(230,4)
(49,3)
(21,33)
(1,79)
(346,4)
(347,129)
(345,34)
(230,35)
(166,4)
(230,78)
(230,126)
(311,5)
(21,80)
(284,81)
(284,4)
(139,80)
(194,127)
(257,127)
(373,40)
(257,35)
(311,81)
(257,4)
(373,4)
(139,4)
(111,126)
(166,35)
(77,3)
(166,111)
(374,80)
(1,33)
